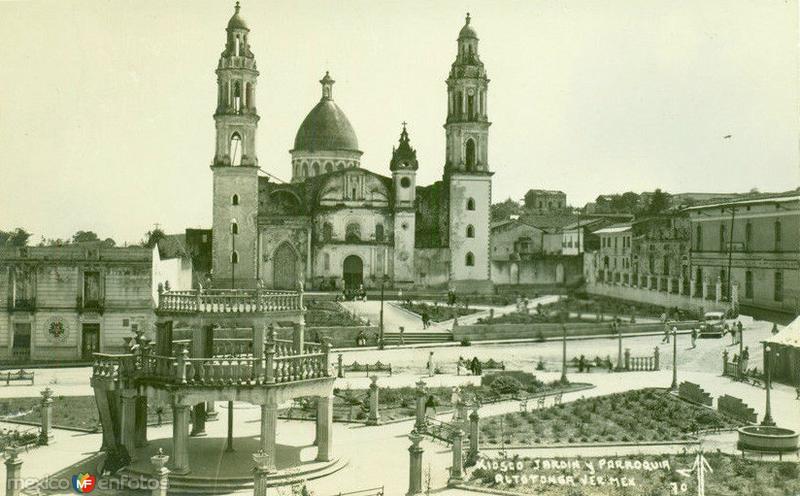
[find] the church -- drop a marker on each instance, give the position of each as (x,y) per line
(337,225)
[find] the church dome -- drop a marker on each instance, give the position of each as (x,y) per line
(467,31)
(236,21)
(326,128)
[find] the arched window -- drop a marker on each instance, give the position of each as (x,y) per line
(315,169)
(234,257)
(470,231)
(353,232)
(340,166)
(778,235)
(471,204)
(305,170)
(236,149)
(469,260)
(234,227)
(237,96)
(379,233)
(235,199)
(329,167)
(470,154)
(327,231)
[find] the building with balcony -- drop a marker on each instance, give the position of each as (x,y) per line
(213,346)
(64,303)
(751,242)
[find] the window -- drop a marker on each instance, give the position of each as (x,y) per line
(91,287)
(235,200)
(470,154)
(234,257)
(470,231)
(315,169)
(699,238)
(379,233)
(327,231)
(779,286)
(234,228)
(665,266)
(748,236)
(778,235)
(405,182)
(126,322)
(352,232)
(329,167)
(236,149)
(327,259)
(305,170)
(748,284)
(722,237)
(470,259)
(470,204)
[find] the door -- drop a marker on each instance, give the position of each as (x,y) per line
(284,268)
(90,340)
(353,272)
(21,350)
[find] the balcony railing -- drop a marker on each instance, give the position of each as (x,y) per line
(245,370)
(92,305)
(21,304)
(229,301)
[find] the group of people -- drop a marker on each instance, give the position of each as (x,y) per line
(743,359)
(474,366)
(349,294)
(426,319)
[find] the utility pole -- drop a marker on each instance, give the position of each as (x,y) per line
(234,255)
(674,385)
(380,320)
(730,252)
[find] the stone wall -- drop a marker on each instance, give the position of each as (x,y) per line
(656,297)
(736,408)
(484,332)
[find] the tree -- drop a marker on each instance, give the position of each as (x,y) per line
(152,237)
(504,210)
(84,237)
(659,202)
(17,237)
(109,243)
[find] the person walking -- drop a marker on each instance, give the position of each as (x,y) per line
(666,335)
(745,358)
(694,338)
(402,338)
(740,328)
(459,365)
(430,364)
(424,318)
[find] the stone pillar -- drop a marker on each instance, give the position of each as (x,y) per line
(718,290)
(705,288)
(269,426)
(669,284)
(127,427)
(211,411)
(627,358)
(680,285)
(474,435)
(46,408)
(141,421)
(415,465)
(180,439)
(457,470)
(269,357)
(374,404)
(261,472)
(339,366)
(656,359)
(325,422)
(421,425)
(199,420)
(692,287)
(658,283)
(160,473)
(14,472)
(298,336)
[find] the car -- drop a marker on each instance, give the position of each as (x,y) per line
(712,325)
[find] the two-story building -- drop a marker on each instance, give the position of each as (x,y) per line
(661,249)
(614,255)
(64,303)
(751,242)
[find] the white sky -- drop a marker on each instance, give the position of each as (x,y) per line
(106,106)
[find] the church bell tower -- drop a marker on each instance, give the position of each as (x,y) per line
(466,170)
(235,165)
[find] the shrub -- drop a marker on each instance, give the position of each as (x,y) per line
(466,342)
(505,385)
(540,365)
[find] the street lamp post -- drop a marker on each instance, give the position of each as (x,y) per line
(619,345)
(740,335)
(563,353)
(768,366)
(380,320)
(674,385)
(234,256)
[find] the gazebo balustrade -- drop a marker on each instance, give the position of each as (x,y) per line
(229,301)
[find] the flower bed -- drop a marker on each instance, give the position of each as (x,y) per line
(13,437)
(436,312)
(633,416)
(328,314)
(731,476)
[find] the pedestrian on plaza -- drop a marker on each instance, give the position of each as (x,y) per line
(740,328)
(581,363)
(402,338)
(430,364)
(474,365)
(459,365)
(745,358)
(774,329)
(694,338)
(424,318)
(666,335)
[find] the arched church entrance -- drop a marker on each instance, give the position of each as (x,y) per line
(353,272)
(284,268)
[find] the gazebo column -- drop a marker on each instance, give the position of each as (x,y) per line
(269,424)
(141,421)
(128,421)
(324,428)
(298,336)
(199,422)
(180,439)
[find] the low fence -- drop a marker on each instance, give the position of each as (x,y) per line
(484,332)
(642,363)
(658,295)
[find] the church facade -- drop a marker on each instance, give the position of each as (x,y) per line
(337,224)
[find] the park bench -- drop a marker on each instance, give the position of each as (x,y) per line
(21,375)
(540,401)
(367,368)
(493,365)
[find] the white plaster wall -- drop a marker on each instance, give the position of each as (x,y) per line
(463,187)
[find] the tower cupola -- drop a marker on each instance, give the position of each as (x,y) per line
(403,156)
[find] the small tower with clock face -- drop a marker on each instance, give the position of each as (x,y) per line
(404,182)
